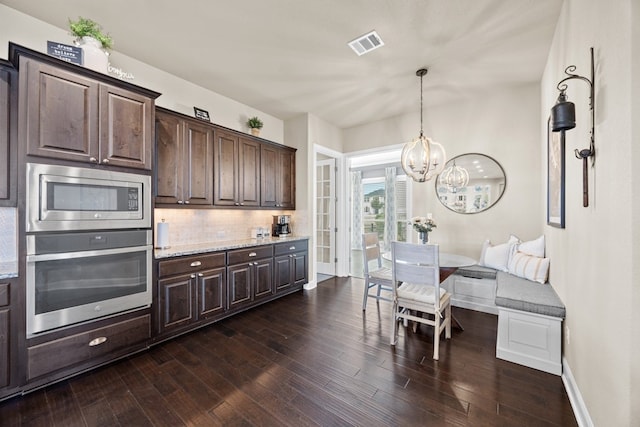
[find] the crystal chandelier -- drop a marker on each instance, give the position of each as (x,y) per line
(422,158)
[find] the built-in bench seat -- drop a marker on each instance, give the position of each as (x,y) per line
(473,287)
(530,318)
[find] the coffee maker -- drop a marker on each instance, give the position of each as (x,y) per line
(281,225)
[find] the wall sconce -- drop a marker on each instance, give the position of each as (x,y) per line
(563,117)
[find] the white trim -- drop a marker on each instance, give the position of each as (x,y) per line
(575,397)
(311,284)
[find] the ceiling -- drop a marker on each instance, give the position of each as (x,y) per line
(287,57)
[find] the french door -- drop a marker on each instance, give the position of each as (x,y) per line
(325,216)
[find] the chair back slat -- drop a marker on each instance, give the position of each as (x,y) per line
(416,263)
(371,250)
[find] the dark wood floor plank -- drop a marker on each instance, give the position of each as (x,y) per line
(64,408)
(310,358)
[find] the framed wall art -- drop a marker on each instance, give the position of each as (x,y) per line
(555,177)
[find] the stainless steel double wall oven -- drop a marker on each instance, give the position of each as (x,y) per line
(89,244)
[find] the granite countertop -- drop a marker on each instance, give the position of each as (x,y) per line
(8,269)
(200,248)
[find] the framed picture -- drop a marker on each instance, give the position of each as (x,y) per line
(555,177)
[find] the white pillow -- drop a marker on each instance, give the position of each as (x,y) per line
(498,256)
(533,247)
(529,267)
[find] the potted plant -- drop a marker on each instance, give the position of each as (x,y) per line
(94,42)
(255,124)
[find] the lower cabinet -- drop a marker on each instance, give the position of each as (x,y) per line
(291,264)
(87,347)
(190,290)
(250,274)
(4,335)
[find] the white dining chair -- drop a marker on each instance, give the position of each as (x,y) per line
(417,291)
(375,275)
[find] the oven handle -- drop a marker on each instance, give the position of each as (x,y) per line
(86,254)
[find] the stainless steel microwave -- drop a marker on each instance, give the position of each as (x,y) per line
(66,198)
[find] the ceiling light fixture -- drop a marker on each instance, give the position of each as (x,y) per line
(366,43)
(454,177)
(422,158)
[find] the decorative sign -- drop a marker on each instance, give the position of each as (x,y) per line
(65,52)
(119,73)
(201,114)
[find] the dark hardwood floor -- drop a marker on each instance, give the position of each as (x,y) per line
(311,358)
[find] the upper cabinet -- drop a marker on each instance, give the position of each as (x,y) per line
(199,163)
(7,134)
(237,170)
(71,113)
(278,177)
(184,150)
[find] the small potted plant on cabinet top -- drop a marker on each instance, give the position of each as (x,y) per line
(255,124)
(94,42)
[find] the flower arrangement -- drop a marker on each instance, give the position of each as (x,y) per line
(423,224)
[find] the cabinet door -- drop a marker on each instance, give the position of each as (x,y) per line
(286,179)
(198,164)
(249,173)
(225,192)
(239,277)
(263,278)
(169,159)
(282,272)
(177,301)
(8,165)
(126,128)
(4,348)
(268,172)
(212,286)
(59,116)
(300,268)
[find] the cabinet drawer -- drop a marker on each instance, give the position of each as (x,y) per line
(4,294)
(290,247)
(82,347)
(252,254)
(190,264)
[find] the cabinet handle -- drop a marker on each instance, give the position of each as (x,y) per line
(196,264)
(186,202)
(241,204)
(294,255)
(253,254)
(105,161)
(97,341)
(292,248)
(193,276)
(200,274)
(93,160)
(236,204)
(180,202)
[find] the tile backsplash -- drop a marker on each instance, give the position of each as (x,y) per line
(8,235)
(193,226)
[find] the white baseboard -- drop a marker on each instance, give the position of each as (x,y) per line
(312,284)
(579,408)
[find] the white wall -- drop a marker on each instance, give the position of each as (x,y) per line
(592,258)
(177,94)
(502,124)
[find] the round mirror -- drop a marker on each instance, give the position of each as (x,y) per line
(485,186)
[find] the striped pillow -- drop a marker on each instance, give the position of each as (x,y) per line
(529,267)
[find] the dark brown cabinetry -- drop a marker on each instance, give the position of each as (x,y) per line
(277,177)
(191,289)
(250,273)
(87,347)
(290,264)
(5,337)
(73,115)
(237,170)
(184,150)
(8,119)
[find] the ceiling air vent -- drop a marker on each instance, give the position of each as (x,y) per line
(366,43)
